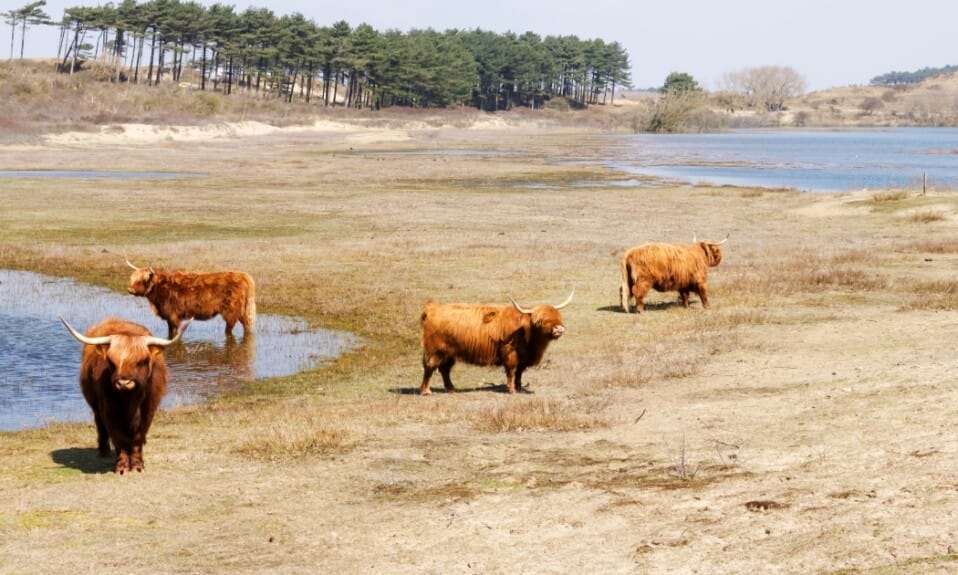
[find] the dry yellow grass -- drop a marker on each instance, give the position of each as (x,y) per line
(643,438)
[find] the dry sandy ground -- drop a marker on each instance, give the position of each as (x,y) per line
(806,431)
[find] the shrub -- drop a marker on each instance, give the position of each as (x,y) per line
(206,103)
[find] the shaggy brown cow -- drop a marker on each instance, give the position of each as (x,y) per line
(176,295)
(511,336)
(123,379)
(668,267)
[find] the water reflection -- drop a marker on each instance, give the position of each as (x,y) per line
(39,361)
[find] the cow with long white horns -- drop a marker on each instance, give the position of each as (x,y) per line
(512,336)
(123,379)
(176,295)
(668,267)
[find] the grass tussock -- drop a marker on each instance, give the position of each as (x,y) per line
(846,271)
(937,295)
(890,196)
(646,362)
(936,246)
(926,217)
(301,436)
(535,414)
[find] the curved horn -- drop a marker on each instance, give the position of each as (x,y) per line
(567,301)
(131,265)
(103,340)
(519,307)
(721,242)
(160,342)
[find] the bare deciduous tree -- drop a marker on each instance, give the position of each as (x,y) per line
(765,86)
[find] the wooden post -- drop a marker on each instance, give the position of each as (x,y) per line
(924,182)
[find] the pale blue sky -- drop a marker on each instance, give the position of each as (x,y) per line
(829,42)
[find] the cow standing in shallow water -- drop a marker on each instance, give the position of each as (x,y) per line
(177,295)
(123,379)
(668,267)
(511,336)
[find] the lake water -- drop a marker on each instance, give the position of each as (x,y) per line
(40,360)
(803,159)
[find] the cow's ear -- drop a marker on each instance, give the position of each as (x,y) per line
(155,351)
(490,315)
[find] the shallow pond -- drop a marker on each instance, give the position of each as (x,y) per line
(803,159)
(40,360)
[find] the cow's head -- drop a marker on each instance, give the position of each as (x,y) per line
(713,253)
(546,318)
(141,280)
(130,356)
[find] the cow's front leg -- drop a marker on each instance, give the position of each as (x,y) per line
(511,379)
(122,462)
(445,370)
(703,295)
(519,379)
(684,297)
(136,459)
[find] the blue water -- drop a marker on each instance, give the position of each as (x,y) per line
(40,360)
(813,160)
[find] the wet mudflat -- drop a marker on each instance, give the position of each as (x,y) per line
(39,360)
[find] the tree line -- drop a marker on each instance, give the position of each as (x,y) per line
(893,78)
(290,56)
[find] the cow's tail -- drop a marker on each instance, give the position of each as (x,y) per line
(625,290)
(250,305)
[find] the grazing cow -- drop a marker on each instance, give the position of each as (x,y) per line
(668,267)
(511,336)
(176,295)
(123,379)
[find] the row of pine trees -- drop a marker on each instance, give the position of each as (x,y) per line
(290,56)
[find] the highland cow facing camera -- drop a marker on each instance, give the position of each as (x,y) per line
(123,379)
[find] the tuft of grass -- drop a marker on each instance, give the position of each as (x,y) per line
(536,414)
(937,246)
(937,295)
(926,217)
(296,437)
(890,196)
(845,271)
